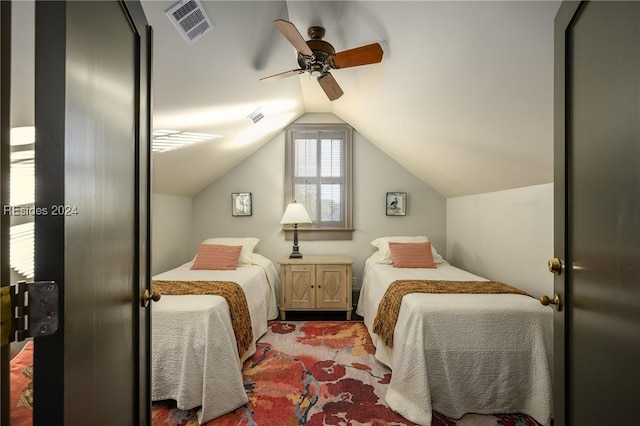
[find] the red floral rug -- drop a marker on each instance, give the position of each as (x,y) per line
(317,373)
(21,387)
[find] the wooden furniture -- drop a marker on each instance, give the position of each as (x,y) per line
(315,283)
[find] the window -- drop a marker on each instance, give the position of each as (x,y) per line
(318,175)
(21,198)
(21,251)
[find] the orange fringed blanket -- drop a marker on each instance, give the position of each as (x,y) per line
(389,308)
(233,294)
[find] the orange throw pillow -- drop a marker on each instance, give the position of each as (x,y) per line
(411,255)
(215,257)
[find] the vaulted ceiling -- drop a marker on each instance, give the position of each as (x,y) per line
(463,97)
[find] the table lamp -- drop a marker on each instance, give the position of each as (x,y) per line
(293,215)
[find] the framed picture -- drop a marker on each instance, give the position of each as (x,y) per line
(241,204)
(396,203)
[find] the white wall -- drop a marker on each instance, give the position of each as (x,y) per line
(170,232)
(504,236)
(375,173)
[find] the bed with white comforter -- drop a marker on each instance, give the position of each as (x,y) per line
(461,353)
(195,358)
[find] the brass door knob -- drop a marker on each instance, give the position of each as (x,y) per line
(546,301)
(148,297)
(555,266)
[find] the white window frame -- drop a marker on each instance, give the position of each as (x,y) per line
(319,230)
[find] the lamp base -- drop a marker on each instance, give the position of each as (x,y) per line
(295,255)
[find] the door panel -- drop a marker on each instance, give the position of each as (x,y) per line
(602,277)
(5,117)
(332,286)
(300,293)
(92,128)
(100,155)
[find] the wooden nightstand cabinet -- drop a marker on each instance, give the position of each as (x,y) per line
(315,283)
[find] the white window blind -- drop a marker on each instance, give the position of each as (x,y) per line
(21,251)
(22,193)
(22,188)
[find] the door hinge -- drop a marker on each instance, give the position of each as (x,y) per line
(28,310)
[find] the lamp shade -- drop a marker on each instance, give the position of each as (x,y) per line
(295,213)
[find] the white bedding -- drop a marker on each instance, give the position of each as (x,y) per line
(462,353)
(194,354)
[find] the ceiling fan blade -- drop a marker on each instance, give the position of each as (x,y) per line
(282,75)
(293,35)
(363,55)
(330,86)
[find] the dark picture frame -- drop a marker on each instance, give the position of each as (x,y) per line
(241,204)
(396,204)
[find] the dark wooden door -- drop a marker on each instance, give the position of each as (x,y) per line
(92,189)
(5,117)
(597,203)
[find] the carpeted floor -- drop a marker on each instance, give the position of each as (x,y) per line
(317,373)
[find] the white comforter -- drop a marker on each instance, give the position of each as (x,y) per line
(194,353)
(462,353)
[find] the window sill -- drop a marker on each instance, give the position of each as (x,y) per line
(308,234)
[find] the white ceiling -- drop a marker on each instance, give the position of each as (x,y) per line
(463,97)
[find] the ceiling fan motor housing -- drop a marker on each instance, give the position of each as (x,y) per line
(320,63)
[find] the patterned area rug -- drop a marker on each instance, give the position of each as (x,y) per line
(21,387)
(318,373)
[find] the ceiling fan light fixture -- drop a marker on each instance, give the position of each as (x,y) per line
(315,70)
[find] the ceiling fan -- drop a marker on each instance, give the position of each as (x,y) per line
(317,57)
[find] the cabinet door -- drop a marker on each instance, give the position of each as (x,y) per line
(332,282)
(300,287)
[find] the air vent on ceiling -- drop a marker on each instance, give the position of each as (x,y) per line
(190,19)
(256,116)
